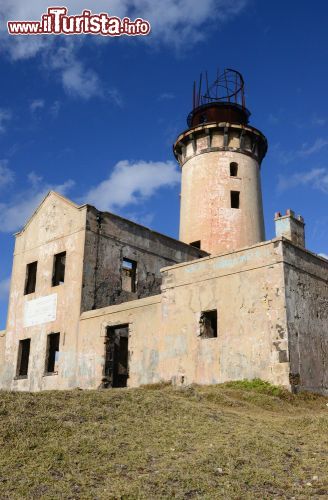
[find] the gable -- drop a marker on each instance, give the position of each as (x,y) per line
(55,217)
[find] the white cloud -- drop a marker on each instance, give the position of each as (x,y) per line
(77,80)
(128,184)
(316,146)
(318,121)
(174,22)
(166,96)
(14,214)
(316,178)
(6,175)
(5,116)
(80,82)
(34,179)
(131,183)
(4,288)
(36,104)
(144,219)
(283,157)
(115,96)
(286,157)
(55,108)
(324,255)
(22,47)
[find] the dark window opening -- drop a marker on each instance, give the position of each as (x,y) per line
(283,357)
(58,274)
(233,169)
(129,275)
(23,357)
(208,324)
(195,244)
(52,352)
(30,280)
(234,199)
(116,370)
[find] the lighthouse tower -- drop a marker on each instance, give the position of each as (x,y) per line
(220,156)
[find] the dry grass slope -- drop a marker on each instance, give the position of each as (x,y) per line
(236,440)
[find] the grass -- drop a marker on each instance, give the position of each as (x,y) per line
(236,440)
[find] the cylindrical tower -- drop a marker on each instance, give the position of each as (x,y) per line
(220,156)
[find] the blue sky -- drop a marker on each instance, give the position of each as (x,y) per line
(95,119)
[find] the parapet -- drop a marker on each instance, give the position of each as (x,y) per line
(291,227)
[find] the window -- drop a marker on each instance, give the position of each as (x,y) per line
(30,280)
(129,275)
(58,273)
(23,357)
(234,199)
(52,350)
(247,142)
(208,324)
(233,169)
(195,244)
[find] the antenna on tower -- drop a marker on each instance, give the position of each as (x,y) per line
(194,96)
(200,89)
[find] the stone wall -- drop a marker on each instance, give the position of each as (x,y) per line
(306,277)
(109,239)
(93,278)
(247,290)
(57,226)
(208,214)
(269,301)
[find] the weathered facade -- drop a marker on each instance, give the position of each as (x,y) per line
(208,154)
(99,301)
(107,260)
(110,241)
(251,291)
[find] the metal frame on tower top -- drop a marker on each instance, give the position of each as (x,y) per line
(228,87)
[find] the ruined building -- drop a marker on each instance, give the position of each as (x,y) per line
(99,301)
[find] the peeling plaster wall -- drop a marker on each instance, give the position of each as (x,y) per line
(306,277)
(144,319)
(109,238)
(271,300)
(57,226)
(93,260)
(206,212)
(290,228)
(246,288)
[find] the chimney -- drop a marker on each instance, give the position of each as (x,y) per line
(291,227)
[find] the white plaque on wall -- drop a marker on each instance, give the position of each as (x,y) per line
(39,311)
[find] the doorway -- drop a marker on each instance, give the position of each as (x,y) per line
(116,356)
